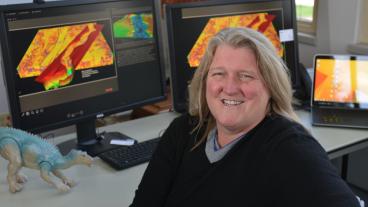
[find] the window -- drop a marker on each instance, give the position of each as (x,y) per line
(306,14)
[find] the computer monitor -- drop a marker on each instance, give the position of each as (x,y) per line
(71,62)
(191,25)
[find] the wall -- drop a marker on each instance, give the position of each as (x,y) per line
(337,27)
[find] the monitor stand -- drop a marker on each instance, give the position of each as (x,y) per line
(91,142)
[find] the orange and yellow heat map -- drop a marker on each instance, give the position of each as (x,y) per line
(55,53)
(261,22)
(344,81)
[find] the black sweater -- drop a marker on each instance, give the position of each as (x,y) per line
(278,164)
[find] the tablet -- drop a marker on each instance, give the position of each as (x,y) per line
(340,91)
(341,81)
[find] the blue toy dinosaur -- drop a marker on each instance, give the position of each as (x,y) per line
(23,149)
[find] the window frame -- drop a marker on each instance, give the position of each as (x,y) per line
(363,28)
(309,27)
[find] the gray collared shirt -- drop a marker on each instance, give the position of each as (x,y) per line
(213,150)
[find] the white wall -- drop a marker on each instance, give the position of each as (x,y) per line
(337,27)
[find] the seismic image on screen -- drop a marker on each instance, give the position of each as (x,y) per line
(343,81)
(134,38)
(55,55)
(264,22)
(139,25)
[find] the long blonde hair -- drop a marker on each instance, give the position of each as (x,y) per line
(272,69)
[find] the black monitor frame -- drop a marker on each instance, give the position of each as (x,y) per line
(180,79)
(87,139)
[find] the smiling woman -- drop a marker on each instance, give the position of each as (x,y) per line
(235,92)
(241,144)
(267,87)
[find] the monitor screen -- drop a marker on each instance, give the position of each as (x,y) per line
(190,26)
(340,81)
(70,62)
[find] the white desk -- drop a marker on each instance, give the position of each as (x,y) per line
(336,141)
(102,186)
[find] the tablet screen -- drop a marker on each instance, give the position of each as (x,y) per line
(341,81)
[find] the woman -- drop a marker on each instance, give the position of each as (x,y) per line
(241,144)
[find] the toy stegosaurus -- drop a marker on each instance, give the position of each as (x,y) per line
(23,149)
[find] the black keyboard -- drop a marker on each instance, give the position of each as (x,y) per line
(129,156)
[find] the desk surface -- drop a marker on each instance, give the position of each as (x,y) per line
(100,185)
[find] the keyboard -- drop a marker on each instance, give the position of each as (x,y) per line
(129,156)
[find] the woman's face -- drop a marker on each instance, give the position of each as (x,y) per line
(235,93)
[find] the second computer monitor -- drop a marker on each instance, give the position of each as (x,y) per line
(191,25)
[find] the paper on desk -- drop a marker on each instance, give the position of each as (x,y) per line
(123,142)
